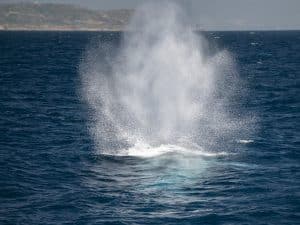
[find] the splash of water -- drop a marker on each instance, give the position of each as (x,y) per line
(163,88)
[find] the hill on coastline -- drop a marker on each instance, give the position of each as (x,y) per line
(49,16)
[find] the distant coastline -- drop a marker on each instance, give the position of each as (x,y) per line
(65,17)
(52,29)
(62,29)
(60,17)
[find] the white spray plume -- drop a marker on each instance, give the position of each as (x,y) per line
(162,87)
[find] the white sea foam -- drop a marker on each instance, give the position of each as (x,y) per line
(245,141)
(144,150)
(163,90)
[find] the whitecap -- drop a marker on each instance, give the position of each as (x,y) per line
(143,150)
(245,141)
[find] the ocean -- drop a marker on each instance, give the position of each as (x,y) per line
(65,153)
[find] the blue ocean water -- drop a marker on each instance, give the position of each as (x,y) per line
(51,173)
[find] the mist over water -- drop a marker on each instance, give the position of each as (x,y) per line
(163,91)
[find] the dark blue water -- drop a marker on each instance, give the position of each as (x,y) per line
(50,172)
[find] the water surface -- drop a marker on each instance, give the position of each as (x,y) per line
(52,173)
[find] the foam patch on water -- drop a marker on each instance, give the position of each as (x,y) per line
(245,141)
(143,150)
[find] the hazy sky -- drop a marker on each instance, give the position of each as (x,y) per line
(217,14)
